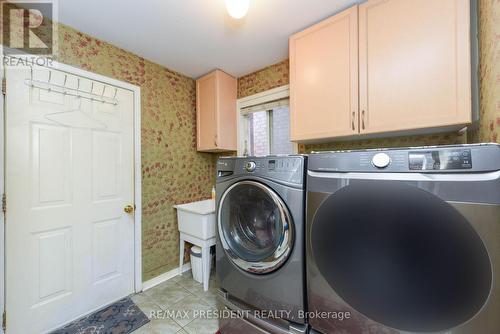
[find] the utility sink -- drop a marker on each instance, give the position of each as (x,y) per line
(197,226)
(197,219)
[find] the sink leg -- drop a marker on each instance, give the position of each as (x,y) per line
(205,258)
(181,255)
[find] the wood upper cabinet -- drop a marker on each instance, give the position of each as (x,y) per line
(216,112)
(415,66)
(414,61)
(324,79)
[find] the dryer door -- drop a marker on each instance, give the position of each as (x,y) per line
(398,254)
(255,227)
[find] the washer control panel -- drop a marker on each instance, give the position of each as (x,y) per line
(290,169)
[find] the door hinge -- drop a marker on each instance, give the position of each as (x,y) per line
(4,320)
(4,203)
(4,86)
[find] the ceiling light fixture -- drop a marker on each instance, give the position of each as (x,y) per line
(237,8)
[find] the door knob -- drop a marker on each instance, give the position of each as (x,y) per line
(129,208)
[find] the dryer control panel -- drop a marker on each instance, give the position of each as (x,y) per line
(440,159)
(431,159)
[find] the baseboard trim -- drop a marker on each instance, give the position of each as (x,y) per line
(164,277)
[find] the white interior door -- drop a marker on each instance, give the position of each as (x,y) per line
(69,243)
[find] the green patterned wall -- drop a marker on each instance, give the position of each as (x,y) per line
(489,73)
(267,78)
(404,141)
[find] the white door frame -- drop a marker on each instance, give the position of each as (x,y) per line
(270,95)
(2,216)
(137,171)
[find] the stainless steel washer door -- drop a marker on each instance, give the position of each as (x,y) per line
(255,227)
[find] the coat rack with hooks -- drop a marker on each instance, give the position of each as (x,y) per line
(77,92)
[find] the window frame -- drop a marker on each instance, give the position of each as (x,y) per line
(267,96)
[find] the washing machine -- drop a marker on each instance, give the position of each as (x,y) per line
(260,250)
(404,240)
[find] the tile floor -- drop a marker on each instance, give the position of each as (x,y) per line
(175,300)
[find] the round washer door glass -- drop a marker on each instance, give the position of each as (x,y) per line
(255,227)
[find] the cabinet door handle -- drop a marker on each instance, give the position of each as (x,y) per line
(215,141)
(363,119)
(352,120)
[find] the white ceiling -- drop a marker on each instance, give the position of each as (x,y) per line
(196,36)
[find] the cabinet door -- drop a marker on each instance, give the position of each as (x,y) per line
(206,111)
(226,112)
(324,79)
(414,64)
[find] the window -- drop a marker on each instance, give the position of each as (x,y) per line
(264,123)
(267,129)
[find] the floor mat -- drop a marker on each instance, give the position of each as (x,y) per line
(121,317)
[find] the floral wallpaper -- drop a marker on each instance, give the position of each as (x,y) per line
(405,141)
(172,170)
(267,78)
(489,73)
